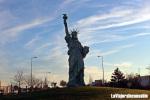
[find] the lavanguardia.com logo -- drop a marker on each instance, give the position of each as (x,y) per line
(136,96)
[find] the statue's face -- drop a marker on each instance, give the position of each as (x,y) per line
(74,35)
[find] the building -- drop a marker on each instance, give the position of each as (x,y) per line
(97,83)
(144,81)
(5,89)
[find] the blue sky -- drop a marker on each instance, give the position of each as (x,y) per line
(119,30)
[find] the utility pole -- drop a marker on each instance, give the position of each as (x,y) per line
(102,68)
(31,70)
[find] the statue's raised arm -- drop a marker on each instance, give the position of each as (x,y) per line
(65,24)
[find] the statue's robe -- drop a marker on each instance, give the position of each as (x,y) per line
(76,63)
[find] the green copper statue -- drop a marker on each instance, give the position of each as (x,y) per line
(76,54)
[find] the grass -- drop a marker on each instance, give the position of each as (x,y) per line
(82,93)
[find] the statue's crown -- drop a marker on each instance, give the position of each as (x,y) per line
(75,31)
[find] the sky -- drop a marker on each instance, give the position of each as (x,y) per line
(118,30)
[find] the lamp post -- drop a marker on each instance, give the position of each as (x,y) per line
(31,68)
(102,67)
(47,75)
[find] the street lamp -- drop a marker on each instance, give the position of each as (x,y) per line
(31,68)
(47,75)
(102,67)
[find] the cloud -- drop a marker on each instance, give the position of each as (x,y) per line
(92,71)
(32,42)
(91,39)
(95,19)
(56,53)
(117,49)
(117,17)
(44,46)
(6,17)
(95,73)
(96,52)
(92,27)
(11,33)
(141,34)
(123,64)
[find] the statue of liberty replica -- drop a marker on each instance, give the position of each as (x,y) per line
(76,54)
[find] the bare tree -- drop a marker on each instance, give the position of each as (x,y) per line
(19,78)
(35,81)
(45,85)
